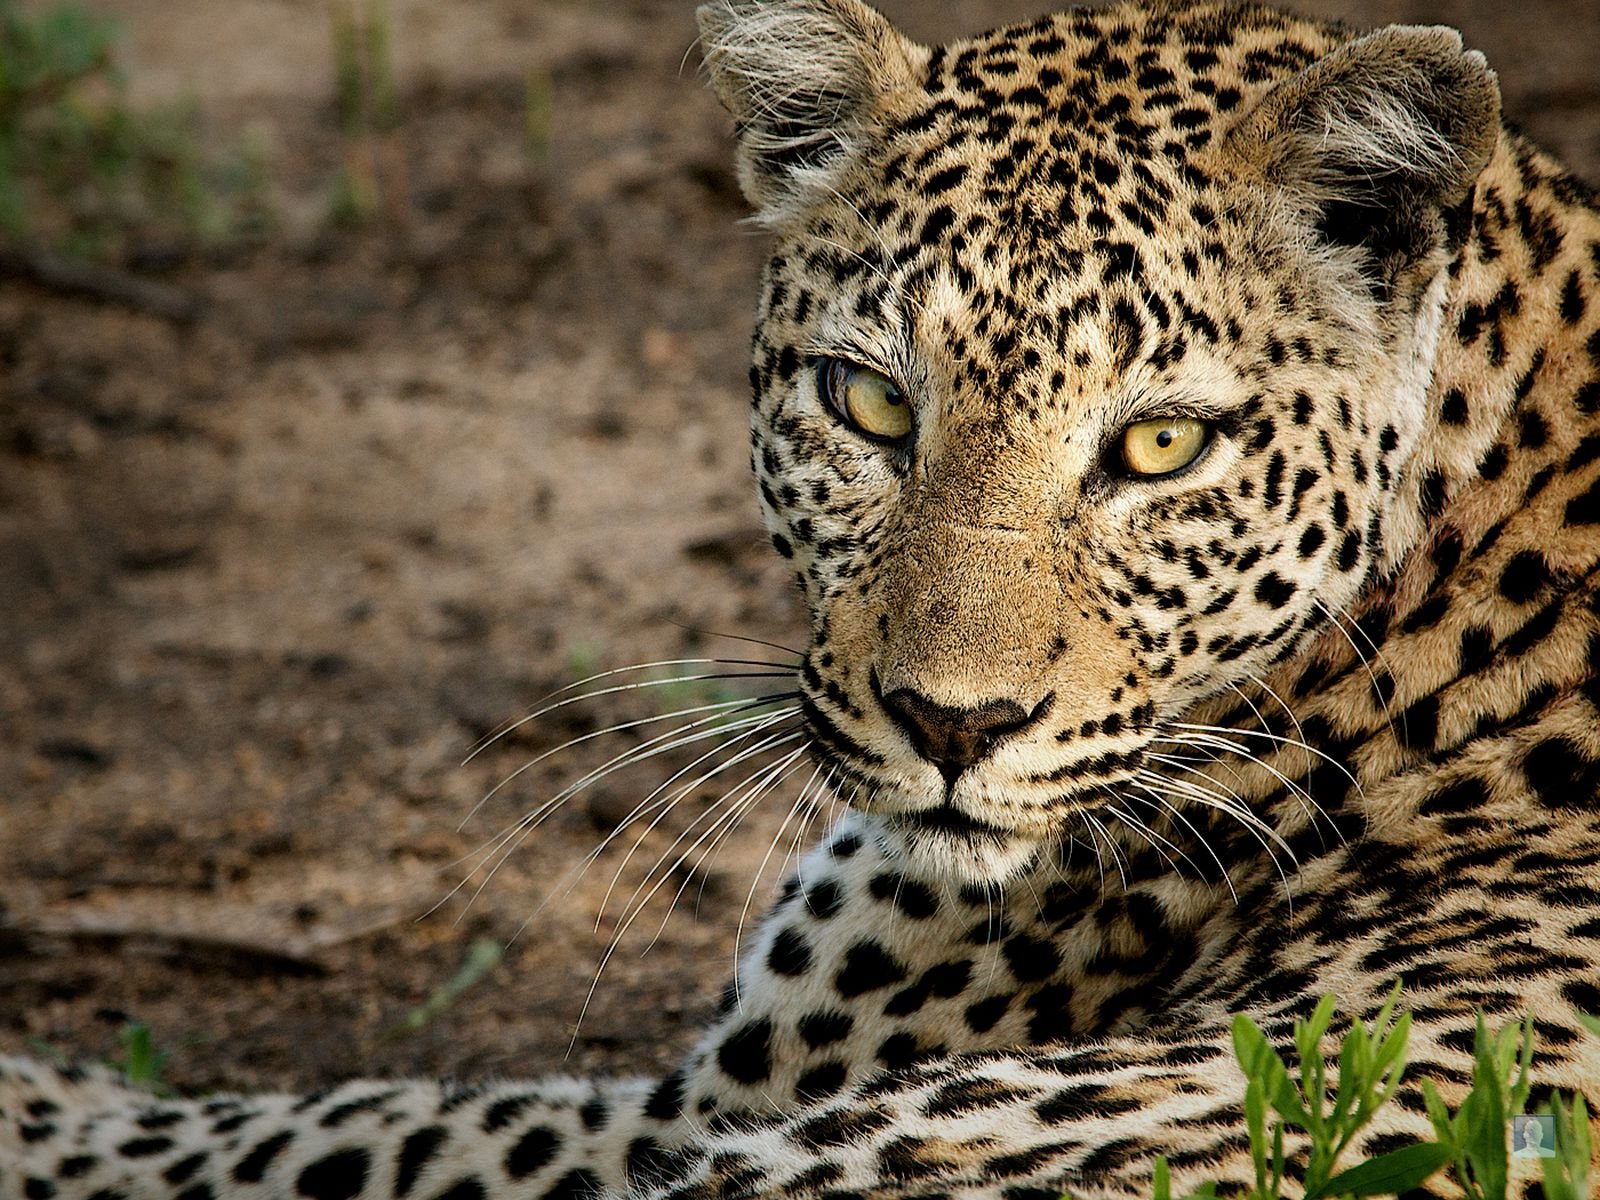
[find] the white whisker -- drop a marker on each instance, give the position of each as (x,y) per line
(777,671)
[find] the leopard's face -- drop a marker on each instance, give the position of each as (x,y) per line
(1067,420)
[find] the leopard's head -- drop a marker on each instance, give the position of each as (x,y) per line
(1090,377)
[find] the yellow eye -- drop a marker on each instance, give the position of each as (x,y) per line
(865,399)
(1164,445)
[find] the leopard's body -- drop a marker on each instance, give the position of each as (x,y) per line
(1127,752)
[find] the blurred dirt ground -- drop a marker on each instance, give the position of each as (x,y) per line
(267,578)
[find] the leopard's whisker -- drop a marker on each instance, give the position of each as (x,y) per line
(707,726)
(755,880)
(1111,845)
(1230,802)
(746,727)
(797,655)
(1178,814)
(721,707)
(550,704)
(716,725)
(1304,798)
(1234,796)
(770,782)
(1372,676)
(1259,829)
(1094,844)
(668,801)
(802,802)
(823,799)
(1148,833)
(1191,735)
(1300,739)
(733,802)
(1223,731)
(725,800)
(510,839)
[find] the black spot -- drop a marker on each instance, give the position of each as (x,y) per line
(1585,509)
(1463,796)
(938,223)
(415,1152)
(32,1131)
(1524,576)
(911,897)
(985,1014)
(790,955)
(1419,724)
(534,1151)
(1274,591)
(867,967)
(820,1081)
(944,180)
(1561,774)
(1494,462)
(594,1114)
(746,1054)
(1349,550)
(38,1188)
(469,1188)
(899,1050)
(504,1111)
(823,1028)
(666,1102)
(184,1169)
(1427,614)
(1572,299)
(339,1114)
(846,844)
(144,1147)
(579,1184)
(1477,648)
(337,1176)
(1030,959)
(648,1161)
(1311,540)
(1584,453)
(824,899)
(1533,430)
(252,1168)
(1453,410)
(1583,995)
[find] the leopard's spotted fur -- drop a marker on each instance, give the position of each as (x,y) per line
(1127,754)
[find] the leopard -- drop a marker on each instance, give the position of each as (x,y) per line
(1183,424)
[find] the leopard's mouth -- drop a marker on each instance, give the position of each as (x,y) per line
(946,818)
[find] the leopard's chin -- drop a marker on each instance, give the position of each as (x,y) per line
(944,844)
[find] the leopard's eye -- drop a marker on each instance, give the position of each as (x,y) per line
(865,399)
(1164,445)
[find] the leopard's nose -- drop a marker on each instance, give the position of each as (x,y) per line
(952,739)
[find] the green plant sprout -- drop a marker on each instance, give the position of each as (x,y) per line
(142,1063)
(367,107)
(1371,1061)
(483,956)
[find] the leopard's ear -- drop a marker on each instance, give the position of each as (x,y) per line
(1378,141)
(803,79)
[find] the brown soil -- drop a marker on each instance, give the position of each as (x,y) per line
(269,577)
